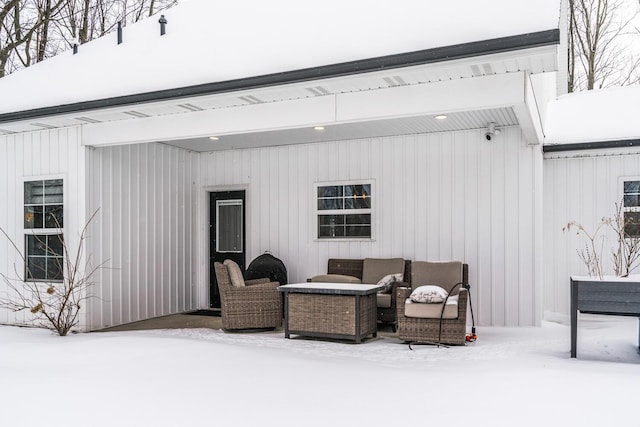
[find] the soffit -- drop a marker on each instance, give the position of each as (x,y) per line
(533,60)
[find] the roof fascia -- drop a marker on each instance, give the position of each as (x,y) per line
(599,145)
(422,57)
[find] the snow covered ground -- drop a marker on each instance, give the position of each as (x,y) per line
(509,377)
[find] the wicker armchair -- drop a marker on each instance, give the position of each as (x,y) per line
(435,330)
(257,305)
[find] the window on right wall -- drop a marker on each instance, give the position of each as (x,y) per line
(344,210)
(631,207)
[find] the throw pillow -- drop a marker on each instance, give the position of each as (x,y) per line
(388,281)
(234,273)
(429,294)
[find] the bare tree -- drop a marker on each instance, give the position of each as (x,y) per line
(33,30)
(599,57)
(14,32)
(24,31)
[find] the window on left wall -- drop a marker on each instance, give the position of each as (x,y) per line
(43,224)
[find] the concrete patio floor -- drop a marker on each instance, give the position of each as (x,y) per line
(191,321)
(172,321)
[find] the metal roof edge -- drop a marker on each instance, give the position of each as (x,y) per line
(440,54)
(598,145)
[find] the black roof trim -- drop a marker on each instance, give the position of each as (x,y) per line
(621,143)
(447,53)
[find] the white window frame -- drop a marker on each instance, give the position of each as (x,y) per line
(626,209)
(370,211)
(41,231)
(229,202)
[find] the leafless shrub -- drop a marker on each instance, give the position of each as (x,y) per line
(626,253)
(591,255)
(54,305)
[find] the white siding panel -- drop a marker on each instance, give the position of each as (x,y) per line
(581,188)
(32,156)
(146,200)
(436,197)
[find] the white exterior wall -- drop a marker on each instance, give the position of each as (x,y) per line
(145,228)
(581,187)
(50,154)
(436,197)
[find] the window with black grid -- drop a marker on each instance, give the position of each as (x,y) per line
(43,223)
(631,207)
(344,211)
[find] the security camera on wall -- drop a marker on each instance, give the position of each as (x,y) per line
(491,132)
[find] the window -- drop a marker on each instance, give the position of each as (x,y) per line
(229,226)
(631,208)
(43,222)
(344,211)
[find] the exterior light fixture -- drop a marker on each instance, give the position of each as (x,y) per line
(318,128)
(440,117)
(214,138)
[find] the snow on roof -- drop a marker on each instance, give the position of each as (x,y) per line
(594,116)
(213,41)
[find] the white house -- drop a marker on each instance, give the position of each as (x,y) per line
(258,109)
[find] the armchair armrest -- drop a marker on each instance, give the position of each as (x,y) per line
(462,303)
(402,293)
(257,281)
(258,284)
(395,286)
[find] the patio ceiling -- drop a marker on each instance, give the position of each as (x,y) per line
(199,117)
(346,131)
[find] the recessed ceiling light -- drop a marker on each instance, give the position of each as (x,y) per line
(214,138)
(318,128)
(440,117)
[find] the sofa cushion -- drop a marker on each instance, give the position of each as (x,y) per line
(374,269)
(383,300)
(388,281)
(235,274)
(445,274)
(335,278)
(432,311)
(428,294)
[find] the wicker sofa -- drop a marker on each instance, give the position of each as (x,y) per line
(257,304)
(446,323)
(370,271)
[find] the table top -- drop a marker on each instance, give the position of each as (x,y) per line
(331,288)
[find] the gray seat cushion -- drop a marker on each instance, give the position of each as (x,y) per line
(445,274)
(235,274)
(374,269)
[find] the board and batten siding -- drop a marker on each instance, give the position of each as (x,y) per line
(583,187)
(145,195)
(436,196)
(49,154)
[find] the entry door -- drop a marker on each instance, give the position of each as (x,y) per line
(226,234)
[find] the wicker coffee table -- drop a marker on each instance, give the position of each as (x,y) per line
(330,310)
